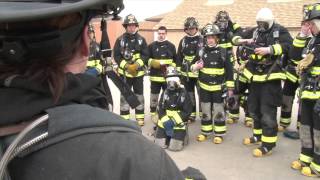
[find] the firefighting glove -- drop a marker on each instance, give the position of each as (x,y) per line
(168,127)
(304,63)
(132,69)
(316,107)
(193,173)
(155,64)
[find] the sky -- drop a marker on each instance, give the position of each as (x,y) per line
(143,9)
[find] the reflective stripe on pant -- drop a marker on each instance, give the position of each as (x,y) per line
(137,84)
(309,132)
(289,92)
(156,87)
(219,118)
(210,112)
(262,102)
(285,118)
(140,109)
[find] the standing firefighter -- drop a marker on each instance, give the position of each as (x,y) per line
(297,51)
(174,110)
(309,70)
(188,48)
(215,69)
(162,54)
(131,55)
(269,42)
(230,31)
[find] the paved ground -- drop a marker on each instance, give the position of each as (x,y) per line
(230,160)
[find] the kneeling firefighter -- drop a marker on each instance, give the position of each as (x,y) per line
(215,69)
(174,109)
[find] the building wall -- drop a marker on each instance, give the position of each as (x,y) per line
(148,35)
(114,28)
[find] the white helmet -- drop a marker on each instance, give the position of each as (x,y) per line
(265,15)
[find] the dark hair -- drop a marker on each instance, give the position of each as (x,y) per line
(162,28)
(48,71)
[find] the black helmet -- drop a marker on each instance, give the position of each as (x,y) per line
(222,16)
(311,12)
(222,20)
(191,22)
(13,11)
(211,29)
(38,43)
(130,19)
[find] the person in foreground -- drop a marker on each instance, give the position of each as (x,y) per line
(44,52)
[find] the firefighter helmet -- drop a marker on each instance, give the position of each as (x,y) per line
(264,19)
(312,12)
(13,11)
(130,19)
(222,20)
(172,78)
(211,29)
(191,22)
(39,42)
(222,16)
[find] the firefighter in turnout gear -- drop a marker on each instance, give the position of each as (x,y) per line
(308,69)
(174,109)
(269,42)
(215,69)
(297,50)
(131,55)
(162,54)
(93,66)
(188,48)
(241,83)
(230,31)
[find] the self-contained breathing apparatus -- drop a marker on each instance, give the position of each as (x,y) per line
(307,82)
(249,49)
